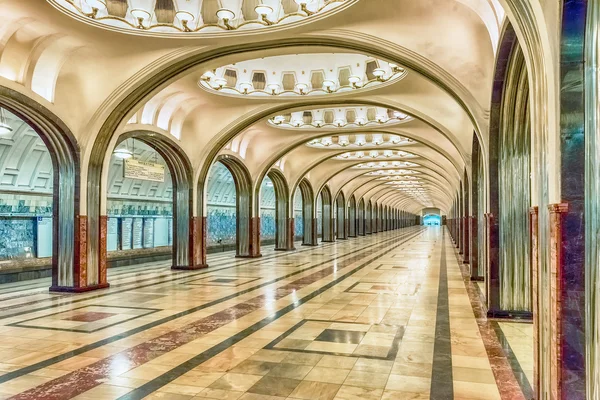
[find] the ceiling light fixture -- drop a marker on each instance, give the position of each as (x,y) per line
(123,153)
(274,88)
(379,73)
(141,16)
(359,121)
(246,87)
(5,128)
(185,18)
(301,87)
(220,83)
(303,6)
(318,123)
(328,86)
(207,76)
(96,6)
(279,119)
(354,79)
(263,12)
(227,16)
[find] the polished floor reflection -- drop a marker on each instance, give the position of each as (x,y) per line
(386,316)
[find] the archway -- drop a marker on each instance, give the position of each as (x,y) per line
(227,225)
(68,226)
(150,210)
(432,220)
(268,213)
(352,219)
(309,225)
(341,224)
(280,214)
(510,194)
(369,218)
(362,217)
(327,216)
(477,224)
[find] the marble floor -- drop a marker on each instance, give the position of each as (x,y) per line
(386,316)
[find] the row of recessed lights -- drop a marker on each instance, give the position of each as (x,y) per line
(374,154)
(359,140)
(300,88)
(339,123)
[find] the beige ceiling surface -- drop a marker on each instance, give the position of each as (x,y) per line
(84,72)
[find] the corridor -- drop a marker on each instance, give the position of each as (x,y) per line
(384,316)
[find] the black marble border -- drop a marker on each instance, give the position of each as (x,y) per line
(442,385)
(174,278)
(22,324)
(169,376)
(349,290)
(53,360)
(391,356)
(217,284)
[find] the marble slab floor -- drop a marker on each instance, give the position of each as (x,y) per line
(386,316)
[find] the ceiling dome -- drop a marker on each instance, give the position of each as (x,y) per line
(339,118)
(194,17)
(310,74)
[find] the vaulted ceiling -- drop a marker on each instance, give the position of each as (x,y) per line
(374,98)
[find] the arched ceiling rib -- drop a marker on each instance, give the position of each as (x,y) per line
(448,46)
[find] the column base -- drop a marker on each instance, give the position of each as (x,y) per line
(525,316)
(70,289)
(327,241)
(249,256)
(189,267)
(477,279)
(352,236)
(284,249)
(310,244)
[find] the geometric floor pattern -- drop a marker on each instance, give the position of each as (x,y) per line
(386,316)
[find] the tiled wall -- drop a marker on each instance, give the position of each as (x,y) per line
(17,238)
(220,225)
(267,224)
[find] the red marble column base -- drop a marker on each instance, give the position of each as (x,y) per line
(533,243)
(80,264)
(197,242)
(254,249)
(289,236)
(466,240)
(556,214)
(69,289)
(189,267)
(102,253)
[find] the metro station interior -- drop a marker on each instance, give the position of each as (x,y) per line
(299,199)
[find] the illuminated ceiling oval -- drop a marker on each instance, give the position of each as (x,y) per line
(339,118)
(359,141)
(376,154)
(386,164)
(310,74)
(190,18)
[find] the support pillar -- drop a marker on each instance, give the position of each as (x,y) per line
(197,245)
(80,264)
(254,242)
(312,240)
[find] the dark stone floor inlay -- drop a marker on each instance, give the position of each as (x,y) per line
(339,336)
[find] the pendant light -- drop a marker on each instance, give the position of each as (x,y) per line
(5,128)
